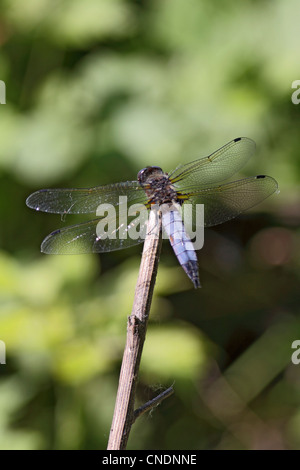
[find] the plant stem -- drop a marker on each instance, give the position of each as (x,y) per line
(124,414)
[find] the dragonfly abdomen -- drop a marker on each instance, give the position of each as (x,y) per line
(181,244)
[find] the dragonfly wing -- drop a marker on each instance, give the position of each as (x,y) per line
(218,166)
(98,235)
(227,201)
(85,201)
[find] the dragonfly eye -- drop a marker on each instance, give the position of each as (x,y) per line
(145,173)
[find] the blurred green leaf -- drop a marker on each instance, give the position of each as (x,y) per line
(173,352)
(73,23)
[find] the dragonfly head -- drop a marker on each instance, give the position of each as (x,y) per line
(146,173)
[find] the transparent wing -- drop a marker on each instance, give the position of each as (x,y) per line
(99,235)
(85,201)
(227,201)
(218,166)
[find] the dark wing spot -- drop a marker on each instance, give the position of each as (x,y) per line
(261,176)
(237,139)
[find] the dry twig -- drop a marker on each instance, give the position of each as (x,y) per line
(124,414)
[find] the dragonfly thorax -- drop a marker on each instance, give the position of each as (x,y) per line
(157,185)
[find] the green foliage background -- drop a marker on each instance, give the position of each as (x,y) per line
(95,91)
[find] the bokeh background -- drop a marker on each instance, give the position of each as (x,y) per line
(95,91)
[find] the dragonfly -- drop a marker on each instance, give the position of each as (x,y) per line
(193,183)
